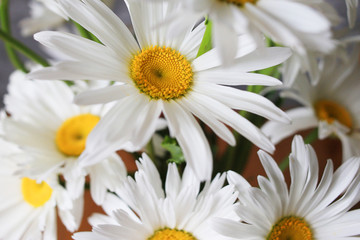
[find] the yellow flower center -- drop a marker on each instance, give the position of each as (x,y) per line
(171,234)
(330,111)
(239,3)
(290,228)
(161,73)
(36,194)
(72,134)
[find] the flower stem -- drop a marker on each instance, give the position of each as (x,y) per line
(5,26)
(17,45)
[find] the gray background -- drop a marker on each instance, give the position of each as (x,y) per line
(19,10)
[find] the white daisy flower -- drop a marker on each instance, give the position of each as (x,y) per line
(332,105)
(27,207)
(182,211)
(53,130)
(352,8)
(310,209)
(161,75)
(45,14)
(292,23)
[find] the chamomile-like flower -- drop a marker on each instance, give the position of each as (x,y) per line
(181,211)
(161,75)
(53,130)
(27,207)
(332,105)
(296,24)
(308,210)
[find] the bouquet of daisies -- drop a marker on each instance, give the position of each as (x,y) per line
(155,120)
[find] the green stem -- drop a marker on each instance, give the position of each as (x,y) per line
(308,140)
(17,45)
(5,25)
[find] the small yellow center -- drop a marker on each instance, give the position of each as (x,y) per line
(290,228)
(330,111)
(239,3)
(171,234)
(161,73)
(72,134)
(36,194)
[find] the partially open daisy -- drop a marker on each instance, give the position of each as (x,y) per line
(301,25)
(53,130)
(308,210)
(161,75)
(332,105)
(147,212)
(28,207)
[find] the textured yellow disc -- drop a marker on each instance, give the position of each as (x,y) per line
(290,228)
(329,111)
(171,234)
(72,134)
(34,193)
(161,73)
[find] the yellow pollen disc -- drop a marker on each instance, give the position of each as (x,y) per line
(72,134)
(330,111)
(171,234)
(34,193)
(290,228)
(239,3)
(161,73)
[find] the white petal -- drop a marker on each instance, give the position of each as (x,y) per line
(244,100)
(103,95)
(96,17)
(190,136)
(236,78)
(219,128)
(302,118)
(79,71)
(296,15)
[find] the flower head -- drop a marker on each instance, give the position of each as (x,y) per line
(53,131)
(28,207)
(332,105)
(147,211)
(302,26)
(308,210)
(161,75)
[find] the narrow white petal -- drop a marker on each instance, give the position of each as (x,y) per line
(244,100)
(301,119)
(79,71)
(219,128)
(296,15)
(96,17)
(190,137)
(103,95)
(236,78)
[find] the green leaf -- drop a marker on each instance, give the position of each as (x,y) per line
(176,153)
(206,43)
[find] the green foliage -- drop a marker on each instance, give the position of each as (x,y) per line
(206,43)
(173,147)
